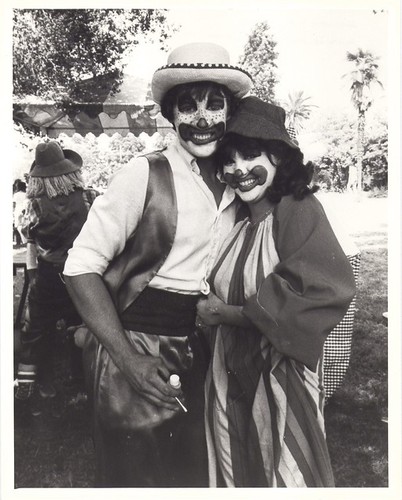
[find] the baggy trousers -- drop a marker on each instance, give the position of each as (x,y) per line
(172,454)
(48,302)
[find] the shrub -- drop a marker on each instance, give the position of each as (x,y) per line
(102,156)
(375,163)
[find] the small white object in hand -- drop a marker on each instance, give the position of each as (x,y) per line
(174,381)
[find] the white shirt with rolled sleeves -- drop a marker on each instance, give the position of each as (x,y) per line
(201,225)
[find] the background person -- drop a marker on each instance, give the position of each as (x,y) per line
(138,267)
(57,208)
(19,208)
(280,284)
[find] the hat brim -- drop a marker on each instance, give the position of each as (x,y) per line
(235,79)
(70,164)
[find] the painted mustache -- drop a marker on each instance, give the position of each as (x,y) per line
(256,177)
(201,136)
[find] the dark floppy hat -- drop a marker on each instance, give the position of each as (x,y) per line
(51,160)
(258,119)
(197,62)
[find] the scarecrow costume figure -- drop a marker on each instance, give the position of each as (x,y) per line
(57,208)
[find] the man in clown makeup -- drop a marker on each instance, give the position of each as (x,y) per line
(136,271)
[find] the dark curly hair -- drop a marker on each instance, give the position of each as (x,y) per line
(198,90)
(292,176)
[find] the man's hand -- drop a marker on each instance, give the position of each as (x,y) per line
(149,376)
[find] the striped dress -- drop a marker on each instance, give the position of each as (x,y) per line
(264,419)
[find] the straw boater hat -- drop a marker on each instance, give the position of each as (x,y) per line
(51,160)
(257,119)
(198,62)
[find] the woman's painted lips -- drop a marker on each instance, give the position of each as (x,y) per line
(245,184)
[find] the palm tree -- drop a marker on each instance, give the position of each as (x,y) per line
(363,76)
(297,110)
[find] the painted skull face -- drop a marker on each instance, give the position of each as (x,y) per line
(200,120)
(249,174)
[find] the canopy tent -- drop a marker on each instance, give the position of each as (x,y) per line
(98,111)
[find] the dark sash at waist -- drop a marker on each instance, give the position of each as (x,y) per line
(159,312)
(45,264)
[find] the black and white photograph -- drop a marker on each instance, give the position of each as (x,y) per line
(201,211)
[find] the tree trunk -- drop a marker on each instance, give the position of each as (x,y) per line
(355,178)
(352,178)
(361,124)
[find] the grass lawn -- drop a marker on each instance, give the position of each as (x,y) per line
(356,431)
(356,415)
(55,449)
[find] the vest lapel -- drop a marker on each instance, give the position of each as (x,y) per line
(145,252)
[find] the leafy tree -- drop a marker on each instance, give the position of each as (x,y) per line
(103,156)
(24,144)
(53,50)
(297,110)
(363,76)
(375,161)
(259,59)
(337,135)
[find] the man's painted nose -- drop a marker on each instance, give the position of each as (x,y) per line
(202,123)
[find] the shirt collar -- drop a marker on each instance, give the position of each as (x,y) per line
(191,161)
(187,157)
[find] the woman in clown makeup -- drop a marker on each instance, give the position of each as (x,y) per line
(279,286)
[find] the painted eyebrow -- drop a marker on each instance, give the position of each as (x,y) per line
(185,97)
(216,95)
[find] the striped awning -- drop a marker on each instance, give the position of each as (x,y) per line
(98,111)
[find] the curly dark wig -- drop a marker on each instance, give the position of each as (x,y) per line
(197,90)
(292,177)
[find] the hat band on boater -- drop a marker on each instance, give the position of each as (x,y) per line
(198,62)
